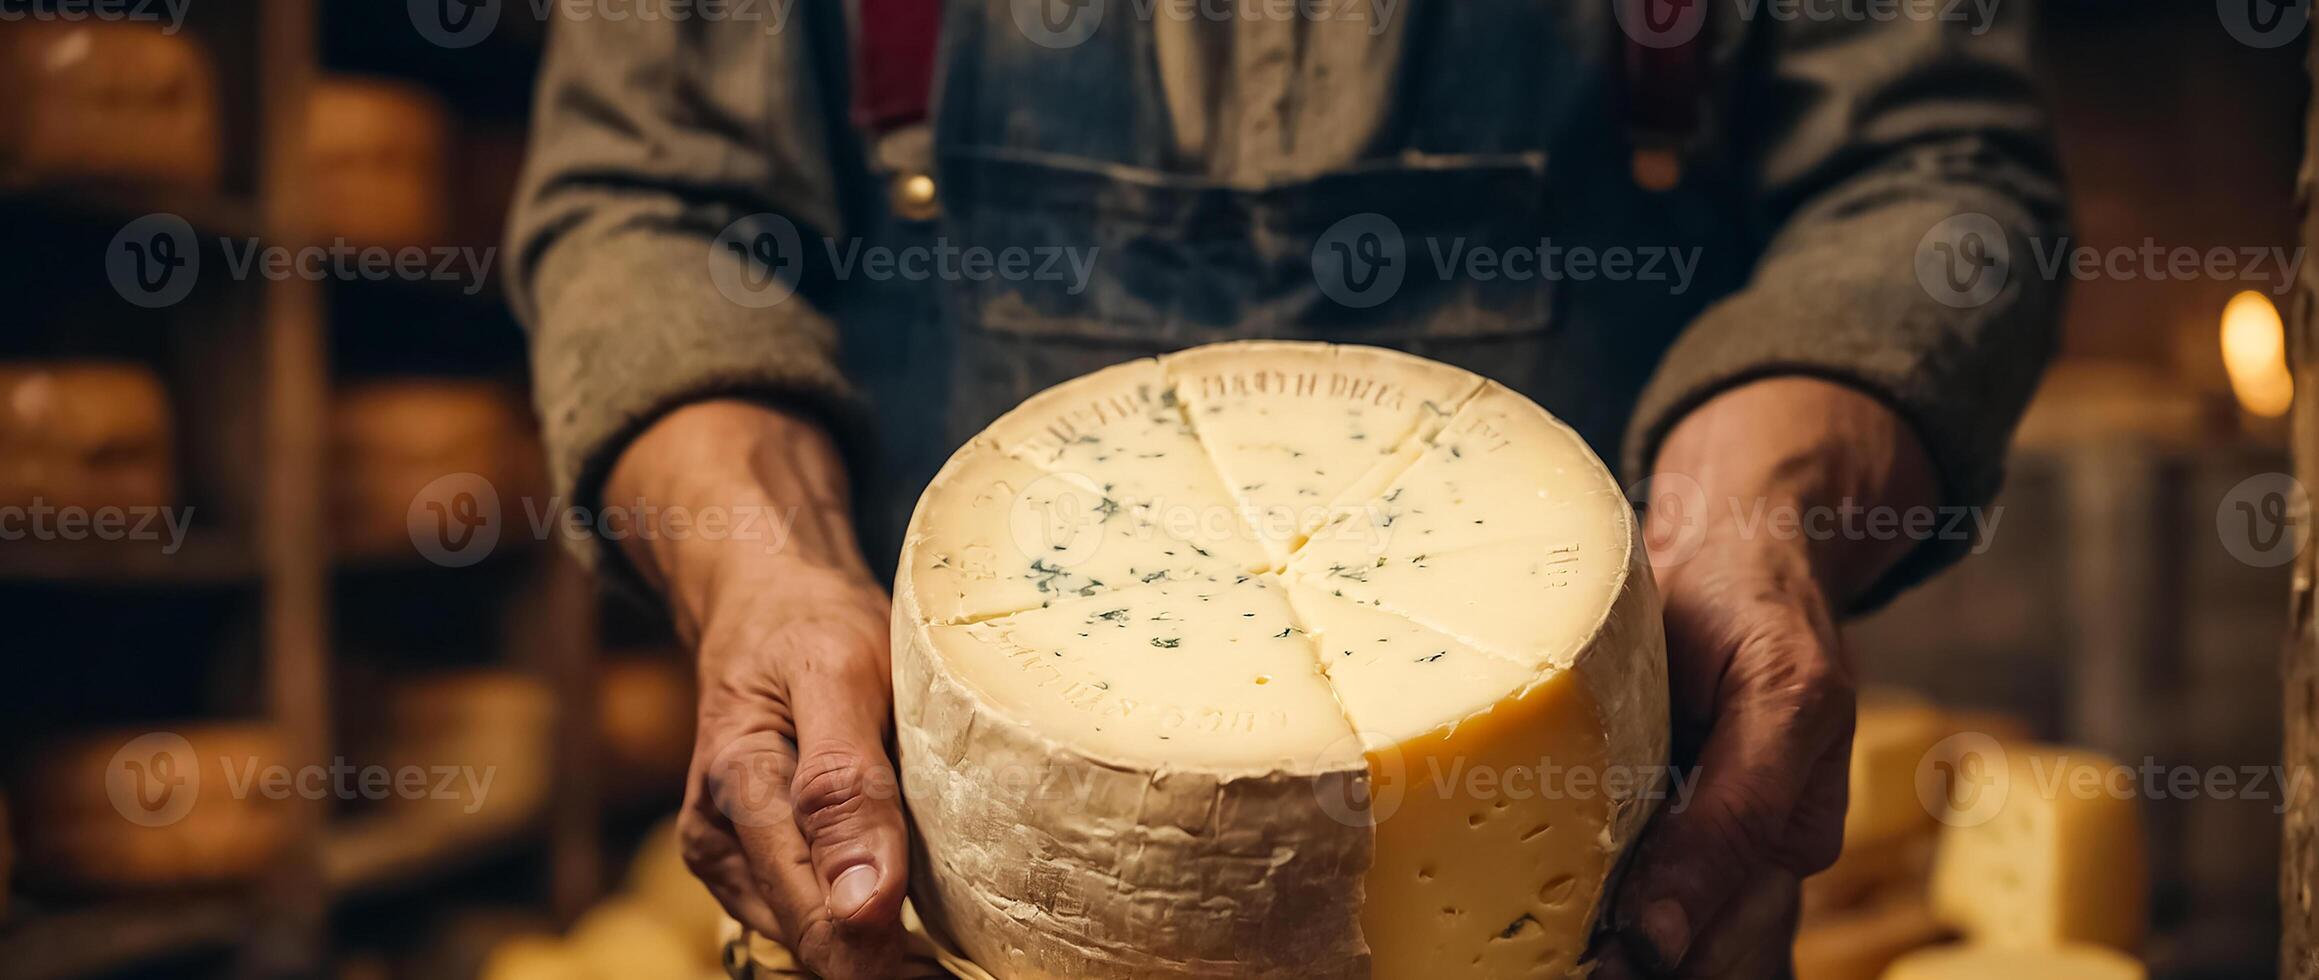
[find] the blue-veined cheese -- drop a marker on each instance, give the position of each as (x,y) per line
(1391,702)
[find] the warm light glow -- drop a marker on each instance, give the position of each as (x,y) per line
(2254,351)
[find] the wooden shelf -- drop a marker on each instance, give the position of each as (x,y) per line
(112,936)
(207,557)
(382,851)
(117,204)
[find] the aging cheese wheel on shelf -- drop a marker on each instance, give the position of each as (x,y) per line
(88,434)
(1986,963)
(2044,846)
(168,807)
(107,101)
(1275,660)
(644,722)
(376,150)
(393,439)
(487,723)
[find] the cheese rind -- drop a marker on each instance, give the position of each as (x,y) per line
(1188,776)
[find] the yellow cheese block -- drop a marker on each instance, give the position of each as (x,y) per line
(661,884)
(535,958)
(1895,738)
(620,939)
(1350,665)
(1986,963)
(85,434)
(2044,847)
(1860,944)
(378,153)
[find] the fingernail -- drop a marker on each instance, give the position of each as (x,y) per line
(852,890)
(1666,934)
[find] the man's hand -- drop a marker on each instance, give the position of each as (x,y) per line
(792,812)
(1762,693)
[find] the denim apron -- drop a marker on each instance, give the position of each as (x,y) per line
(1492,133)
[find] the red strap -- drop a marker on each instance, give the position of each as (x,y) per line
(894,62)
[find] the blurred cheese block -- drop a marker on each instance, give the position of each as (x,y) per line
(1868,872)
(1859,945)
(88,434)
(394,443)
(1146,670)
(377,151)
(107,101)
(1985,963)
(181,806)
(644,723)
(2043,847)
(621,938)
(494,723)
(535,958)
(661,884)
(1894,740)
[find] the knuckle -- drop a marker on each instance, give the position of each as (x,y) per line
(837,781)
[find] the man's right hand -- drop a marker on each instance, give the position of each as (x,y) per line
(792,812)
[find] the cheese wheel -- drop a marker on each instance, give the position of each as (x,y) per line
(169,807)
(377,153)
(88,434)
(391,439)
(644,723)
(494,723)
(107,101)
(1983,963)
(1860,944)
(1275,660)
(2044,847)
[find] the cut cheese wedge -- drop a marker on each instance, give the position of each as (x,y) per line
(1293,426)
(1985,963)
(2043,846)
(1318,747)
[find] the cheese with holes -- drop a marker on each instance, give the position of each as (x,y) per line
(1275,660)
(2041,847)
(1985,963)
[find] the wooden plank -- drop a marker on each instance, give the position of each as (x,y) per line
(111,937)
(2299,853)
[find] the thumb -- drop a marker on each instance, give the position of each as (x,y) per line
(849,802)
